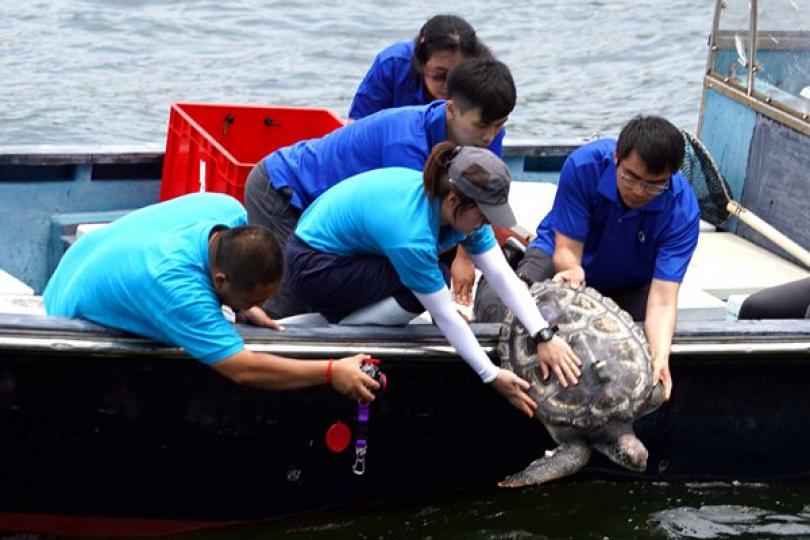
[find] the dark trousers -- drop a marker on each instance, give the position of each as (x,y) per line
(336,286)
(271,208)
(788,301)
(538,266)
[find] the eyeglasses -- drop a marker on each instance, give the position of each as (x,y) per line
(653,187)
(438,76)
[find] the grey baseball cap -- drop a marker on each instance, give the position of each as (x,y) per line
(484,177)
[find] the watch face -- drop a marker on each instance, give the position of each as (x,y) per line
(544,335)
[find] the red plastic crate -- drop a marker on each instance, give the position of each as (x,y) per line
(213,147)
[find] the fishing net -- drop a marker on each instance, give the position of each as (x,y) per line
(706,180)
(716,203)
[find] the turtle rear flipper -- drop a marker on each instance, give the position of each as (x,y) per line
(564,460)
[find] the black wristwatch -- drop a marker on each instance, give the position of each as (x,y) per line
(544,335)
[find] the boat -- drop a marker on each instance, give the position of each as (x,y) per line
(103,427)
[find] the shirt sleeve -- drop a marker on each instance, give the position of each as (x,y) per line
(510,289)
(376,91)
(458,333)
(481,240)
(679,242)
(570,214)
(197,325)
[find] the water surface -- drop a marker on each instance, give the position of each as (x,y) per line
(105,71)
(565,510)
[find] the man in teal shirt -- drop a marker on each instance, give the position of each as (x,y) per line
(164,271)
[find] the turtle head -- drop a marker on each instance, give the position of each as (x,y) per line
(631,453)
(624,449)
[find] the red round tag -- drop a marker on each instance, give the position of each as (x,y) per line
(338,437)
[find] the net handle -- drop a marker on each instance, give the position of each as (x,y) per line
(768,231)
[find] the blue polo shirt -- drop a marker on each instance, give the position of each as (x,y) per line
(400,137)
(622,247)
(148,273)
(390,82)
(386,212)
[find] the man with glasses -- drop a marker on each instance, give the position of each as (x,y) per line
(625,222)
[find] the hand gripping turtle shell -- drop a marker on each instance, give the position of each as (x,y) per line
(615,387)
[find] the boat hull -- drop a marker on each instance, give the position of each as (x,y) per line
(98,423)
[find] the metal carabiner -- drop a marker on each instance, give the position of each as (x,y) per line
(359,467)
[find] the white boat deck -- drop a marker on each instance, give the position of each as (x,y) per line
(18,297)
(724,270)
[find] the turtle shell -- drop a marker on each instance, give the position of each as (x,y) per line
(616,361)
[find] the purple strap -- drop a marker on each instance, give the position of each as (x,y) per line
(363,411)
(360,444)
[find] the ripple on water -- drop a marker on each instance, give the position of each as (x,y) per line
(721,521)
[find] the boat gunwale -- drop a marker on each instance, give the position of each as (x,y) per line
(72,337)
(49,155)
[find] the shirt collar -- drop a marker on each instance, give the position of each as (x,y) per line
(607,182)
(414,79)
(436,122)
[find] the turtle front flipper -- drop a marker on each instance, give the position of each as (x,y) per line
(566,459)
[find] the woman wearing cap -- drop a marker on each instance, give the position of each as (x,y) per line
(367,252)
(415,72)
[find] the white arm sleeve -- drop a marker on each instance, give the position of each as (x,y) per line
(458,332)
(511,290)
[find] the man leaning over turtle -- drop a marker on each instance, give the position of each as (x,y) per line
(625,221)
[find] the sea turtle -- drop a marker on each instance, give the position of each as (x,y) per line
(615,387)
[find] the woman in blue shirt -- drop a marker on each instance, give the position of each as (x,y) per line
(367,252)
(415,72)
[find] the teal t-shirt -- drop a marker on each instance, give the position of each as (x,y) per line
(386,212)
(148,273)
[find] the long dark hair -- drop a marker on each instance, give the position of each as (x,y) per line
(436,179)
(445,33)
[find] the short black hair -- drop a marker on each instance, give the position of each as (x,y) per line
(485,84)
(446,33)
(658,143)
(250,256)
